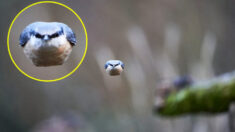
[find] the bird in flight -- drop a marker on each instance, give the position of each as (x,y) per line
(47,43)
(114,67)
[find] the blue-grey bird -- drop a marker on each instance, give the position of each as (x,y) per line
(182,82)
(47,43)
(166,87)
(114,67)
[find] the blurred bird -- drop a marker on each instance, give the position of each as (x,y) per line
(114,67)
(166,87)
(182,82)
(47,43)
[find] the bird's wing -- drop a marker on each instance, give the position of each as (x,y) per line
(24,36)
(70,35)
(106,65)
(122,65)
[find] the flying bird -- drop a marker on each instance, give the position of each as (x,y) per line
(47,43)
(114,67)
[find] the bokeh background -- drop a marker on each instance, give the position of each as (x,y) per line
(156,39)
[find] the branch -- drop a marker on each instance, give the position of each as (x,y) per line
(213,96)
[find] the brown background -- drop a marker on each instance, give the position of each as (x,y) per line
(156,39)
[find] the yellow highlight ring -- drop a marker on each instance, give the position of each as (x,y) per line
(8,45)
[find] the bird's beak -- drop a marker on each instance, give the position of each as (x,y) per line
(46,38)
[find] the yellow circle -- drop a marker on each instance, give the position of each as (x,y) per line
(8,45)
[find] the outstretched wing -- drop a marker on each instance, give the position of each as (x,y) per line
(122,65)
(70,35)
(24,36)
(106,65)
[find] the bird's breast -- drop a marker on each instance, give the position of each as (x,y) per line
(114,71)
(48,54)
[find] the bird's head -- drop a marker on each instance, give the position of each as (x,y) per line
(44,33)
(47,32)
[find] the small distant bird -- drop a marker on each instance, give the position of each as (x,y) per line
(114,67)
(166,87)
(182,82)
(47,43)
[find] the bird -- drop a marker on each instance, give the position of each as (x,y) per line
(182,82)
(166,87)
(47,43)
(114,67)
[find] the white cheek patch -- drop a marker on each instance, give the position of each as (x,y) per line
(109,68)
(58,41)
(35,43)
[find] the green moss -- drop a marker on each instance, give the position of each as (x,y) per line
(212,98)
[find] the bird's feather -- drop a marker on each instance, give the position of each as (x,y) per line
(106,65)
(122,65)
(24,37)
(70,35)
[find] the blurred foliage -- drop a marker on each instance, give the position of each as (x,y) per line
(214,96)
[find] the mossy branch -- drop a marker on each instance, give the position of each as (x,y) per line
(213,96)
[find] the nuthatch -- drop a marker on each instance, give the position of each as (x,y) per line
(47,43)
(114,67)
(166,87)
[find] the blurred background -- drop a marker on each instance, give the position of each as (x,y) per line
(156,39)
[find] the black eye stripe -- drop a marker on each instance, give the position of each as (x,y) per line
(113,64)
(57,34)
(37,35)
(54,35)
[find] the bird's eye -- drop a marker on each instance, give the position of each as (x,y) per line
(111,64)
(116,65)
(39,35)
(54,35)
